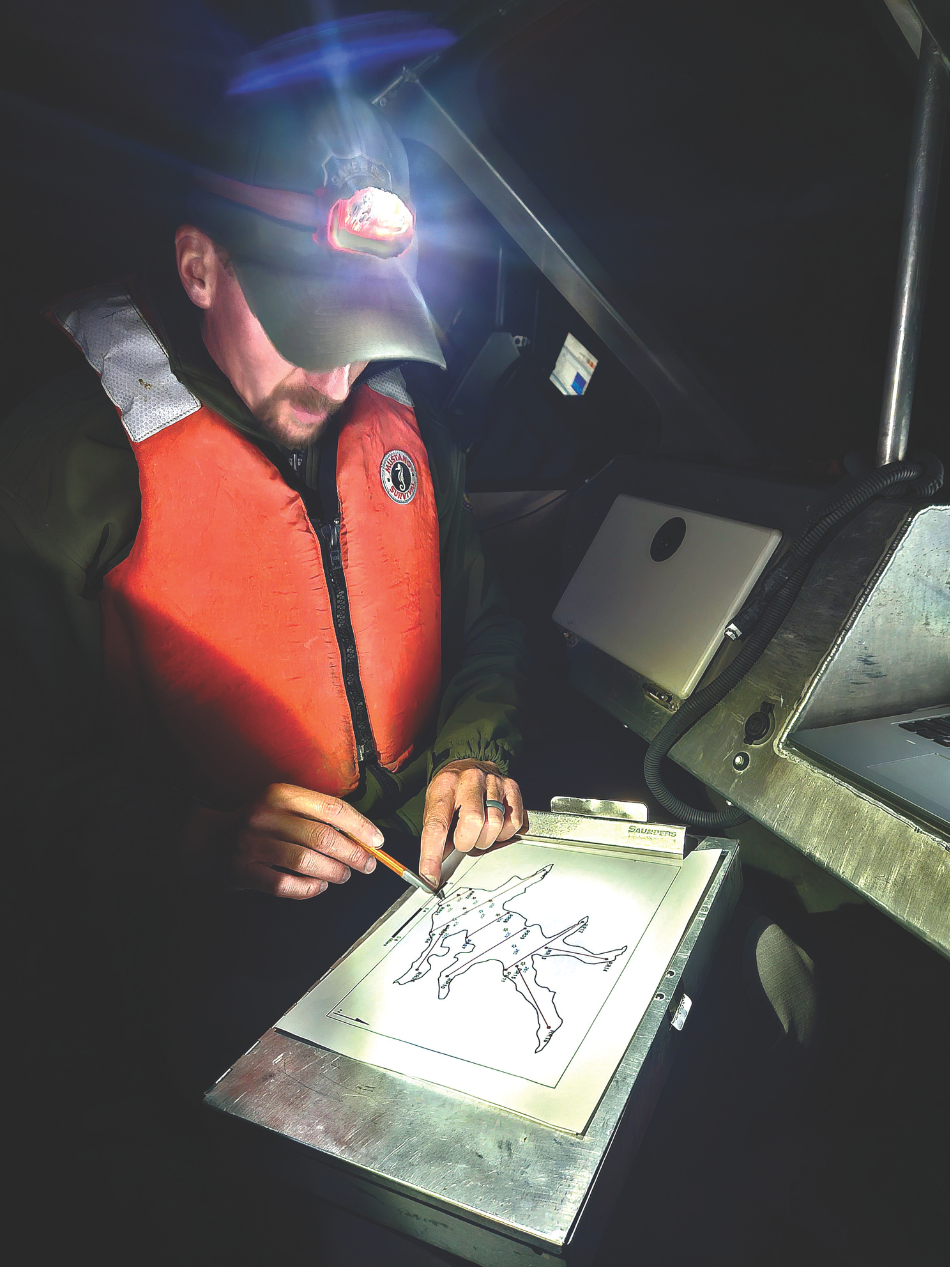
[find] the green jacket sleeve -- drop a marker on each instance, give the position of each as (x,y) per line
(483,652)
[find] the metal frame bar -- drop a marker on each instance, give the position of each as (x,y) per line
(920,205)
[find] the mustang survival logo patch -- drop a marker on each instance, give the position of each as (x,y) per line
(397,471)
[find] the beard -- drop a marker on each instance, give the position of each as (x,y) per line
(296,415)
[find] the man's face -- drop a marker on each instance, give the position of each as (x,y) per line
(291,404)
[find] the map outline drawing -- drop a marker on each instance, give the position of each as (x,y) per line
(455,937)
(479,1042)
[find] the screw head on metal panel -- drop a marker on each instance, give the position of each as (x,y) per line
(741,761)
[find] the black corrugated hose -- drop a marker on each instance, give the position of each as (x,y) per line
(760,619)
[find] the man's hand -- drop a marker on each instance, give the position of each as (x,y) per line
(291,842)
(465,786)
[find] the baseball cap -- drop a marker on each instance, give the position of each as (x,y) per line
(309,194)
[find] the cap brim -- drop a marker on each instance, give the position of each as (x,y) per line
(356,308)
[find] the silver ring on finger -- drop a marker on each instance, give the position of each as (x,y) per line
(495,805)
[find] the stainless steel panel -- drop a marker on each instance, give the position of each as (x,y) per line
(896,862)
(894,655)
(456,1173)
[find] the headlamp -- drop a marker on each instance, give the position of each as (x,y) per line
(371,222)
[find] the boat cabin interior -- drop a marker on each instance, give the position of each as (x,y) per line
(689,268)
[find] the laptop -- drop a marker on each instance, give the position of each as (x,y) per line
(907,756)
(659,584)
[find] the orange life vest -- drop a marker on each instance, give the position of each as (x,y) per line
(232,631)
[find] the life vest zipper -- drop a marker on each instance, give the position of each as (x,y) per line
(329,537)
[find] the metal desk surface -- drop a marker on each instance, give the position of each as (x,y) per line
(453,1171)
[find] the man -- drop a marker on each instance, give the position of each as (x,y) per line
(250,618)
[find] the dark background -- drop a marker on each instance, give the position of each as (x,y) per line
(738,167)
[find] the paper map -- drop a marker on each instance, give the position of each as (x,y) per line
(484,926)
(523,986)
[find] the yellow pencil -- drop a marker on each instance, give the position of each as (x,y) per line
(403,872)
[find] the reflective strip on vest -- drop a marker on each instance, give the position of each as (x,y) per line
(119,345)
(219,640)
